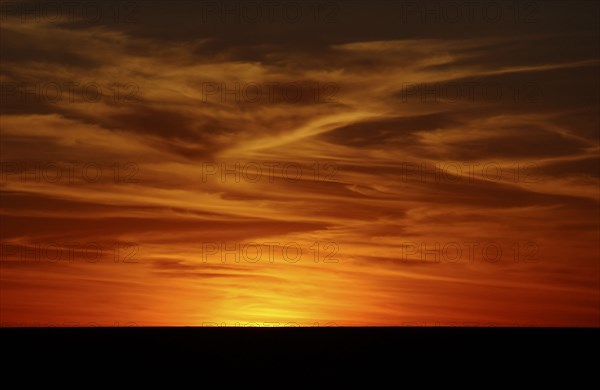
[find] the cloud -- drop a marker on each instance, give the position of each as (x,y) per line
(358,132)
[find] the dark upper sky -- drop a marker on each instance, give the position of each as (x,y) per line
(359,102)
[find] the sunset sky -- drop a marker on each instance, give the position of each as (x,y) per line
(349,163)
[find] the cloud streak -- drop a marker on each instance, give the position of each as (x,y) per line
(378,153)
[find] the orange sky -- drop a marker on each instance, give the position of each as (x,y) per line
(431,173)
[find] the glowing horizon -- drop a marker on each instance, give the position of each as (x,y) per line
(176,171)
